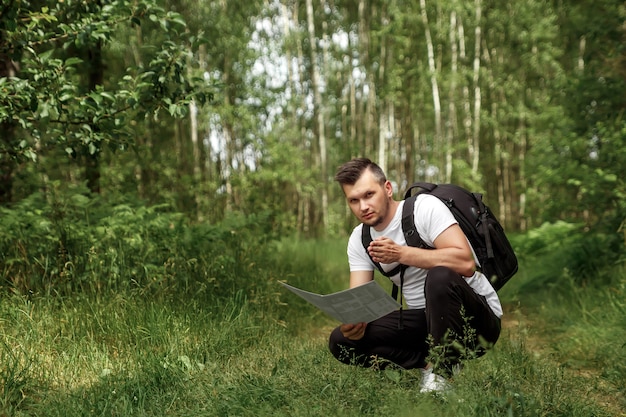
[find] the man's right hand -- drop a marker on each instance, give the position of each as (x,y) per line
(353,331)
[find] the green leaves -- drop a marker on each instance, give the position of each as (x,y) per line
(52,100)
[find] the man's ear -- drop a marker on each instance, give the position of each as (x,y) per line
(389,188)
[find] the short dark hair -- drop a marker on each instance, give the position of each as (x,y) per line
(350,172)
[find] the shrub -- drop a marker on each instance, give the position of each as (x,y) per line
(72,241)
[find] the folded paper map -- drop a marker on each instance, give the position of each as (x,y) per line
(364,303)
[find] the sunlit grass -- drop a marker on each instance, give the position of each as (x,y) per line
(152,359)
(265,354)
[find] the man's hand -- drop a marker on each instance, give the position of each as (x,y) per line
(451,249)
(353,331)
(384,250)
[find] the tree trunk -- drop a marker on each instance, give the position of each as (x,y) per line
(582,45)
(196,157)
(467,105)
(521,213)
(96,78)
(493,180)
(8,68)
(438,139)
(369,89)
(318,111)
(143,171)
(384,125)
(355,113)
(291,19)
(451,131)
(475,148)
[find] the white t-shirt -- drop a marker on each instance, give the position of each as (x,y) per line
(432,217)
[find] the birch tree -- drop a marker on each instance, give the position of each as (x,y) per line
(451,132)
(474,146)
(318,108)
(385,110)
(432,71)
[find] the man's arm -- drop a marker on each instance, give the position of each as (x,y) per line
(360,277)
(451,250)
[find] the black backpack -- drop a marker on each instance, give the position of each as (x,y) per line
(493,250)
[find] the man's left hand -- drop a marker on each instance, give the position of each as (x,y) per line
(384,250)
(353,331)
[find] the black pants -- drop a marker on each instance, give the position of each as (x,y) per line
(454,313)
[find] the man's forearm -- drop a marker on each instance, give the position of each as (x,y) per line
(456,259)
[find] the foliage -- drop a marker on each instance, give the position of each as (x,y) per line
(586,175)
(578,314)
(281,186)
(570,251)
(258,353)
(580,169)
(530,99)
(71,241)
(49,102)
(548,237)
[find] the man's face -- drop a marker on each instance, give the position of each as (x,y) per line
(369,200)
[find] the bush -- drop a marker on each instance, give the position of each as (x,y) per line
(73,241)
(567,250)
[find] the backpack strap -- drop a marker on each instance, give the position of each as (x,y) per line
(410,235)
(482,218)
(408,224)
(366,239)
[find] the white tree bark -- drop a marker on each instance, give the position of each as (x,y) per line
(318,110)
(467,105)
(369,89)
(451,131)
(475,148)
(384,128)
(433,75)
(582,45)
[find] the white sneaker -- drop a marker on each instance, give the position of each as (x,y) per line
(431,382)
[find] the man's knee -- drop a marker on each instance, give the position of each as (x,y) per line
(439,279)
(335,345)
(345,350)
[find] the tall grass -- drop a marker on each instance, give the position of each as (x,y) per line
(577,314)
(137,356)
(82,357)
(583,328)
(216,335)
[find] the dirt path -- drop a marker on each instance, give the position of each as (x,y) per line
(516,324)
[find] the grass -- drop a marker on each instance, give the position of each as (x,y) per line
(578,325)
(134,355)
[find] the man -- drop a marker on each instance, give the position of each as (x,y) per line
(449,303)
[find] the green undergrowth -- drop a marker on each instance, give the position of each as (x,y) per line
(254,349)
(575,315)
(79,357)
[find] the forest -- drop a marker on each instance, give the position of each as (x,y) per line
(164,162)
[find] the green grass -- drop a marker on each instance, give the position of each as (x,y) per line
(265,354)
(580,325)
